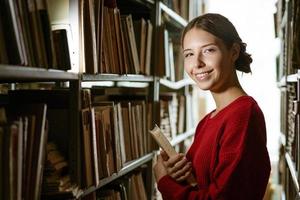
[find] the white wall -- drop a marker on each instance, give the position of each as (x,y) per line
(253,20)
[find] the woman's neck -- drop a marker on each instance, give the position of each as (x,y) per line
(224,98)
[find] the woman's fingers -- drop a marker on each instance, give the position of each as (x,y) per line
(180,165)
(185,176)
(173,160)
(177,173)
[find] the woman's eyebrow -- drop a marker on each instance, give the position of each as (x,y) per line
(205,45)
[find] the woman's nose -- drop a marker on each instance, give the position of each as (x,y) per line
(199,63)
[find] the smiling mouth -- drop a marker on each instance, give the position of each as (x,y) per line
(201,76)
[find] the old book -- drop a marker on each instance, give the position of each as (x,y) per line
(114,42)
(140,187)
(164,143)
(12,35)
(132,43)
(140,31)
(37,140)
(161,68)
(101,141)
(99,33)
(117,20)
(90,49)
(148,48)
(94,147)
(98,145)
(105,62)
(61,47)
(129,57)
(24,17)
(3,53)
(178,61)
(107,129)
(36,35)
(121,133)
(115,131)
(127,135)
(109,51)
(46,33)
(87,147)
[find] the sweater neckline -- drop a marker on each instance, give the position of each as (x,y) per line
(222,111)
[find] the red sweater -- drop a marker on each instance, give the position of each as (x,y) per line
(229,156)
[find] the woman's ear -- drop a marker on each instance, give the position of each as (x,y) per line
(235,49)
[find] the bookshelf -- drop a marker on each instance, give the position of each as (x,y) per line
(100,42)
(288,81)
(19,73)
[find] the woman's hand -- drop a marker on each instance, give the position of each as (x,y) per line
(159,168)
(178,167)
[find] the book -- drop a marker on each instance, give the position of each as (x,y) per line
(164,143)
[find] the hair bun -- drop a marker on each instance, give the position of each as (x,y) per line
(244,60)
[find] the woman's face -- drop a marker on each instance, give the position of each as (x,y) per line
(208,61)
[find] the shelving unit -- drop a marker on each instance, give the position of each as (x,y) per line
(72,84)
(289,84)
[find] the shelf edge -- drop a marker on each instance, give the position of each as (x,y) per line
(176,85)
(181,137)
(127,168)
(24,73)
(173,14)
(292,170)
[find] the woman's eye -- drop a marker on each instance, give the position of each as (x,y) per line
(188,55)
(210,50)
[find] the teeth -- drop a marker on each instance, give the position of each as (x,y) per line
(201,75)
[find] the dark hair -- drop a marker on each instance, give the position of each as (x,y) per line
(222,28)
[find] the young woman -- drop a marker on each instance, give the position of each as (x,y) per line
(228,158)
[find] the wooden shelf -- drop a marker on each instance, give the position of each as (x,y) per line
(176,85)
(128,167)
(282,139)
(116,77)
(284,19)
(148,4)
(181,137)
(292,78)
(176,19)
(292,170)
(151,2)
(12,73)
(282,82)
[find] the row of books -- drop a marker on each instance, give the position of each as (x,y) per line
(295,7)
(113,133)
(186,9)
(132,188)
(171,65)
(56,177)
(26,36)
(114,43)
(292,128)
(23,136)
(286,24)
(291,134)
(172,114)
